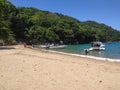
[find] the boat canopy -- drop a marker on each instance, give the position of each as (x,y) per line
(96,44)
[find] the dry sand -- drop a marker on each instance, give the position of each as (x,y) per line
(28,69)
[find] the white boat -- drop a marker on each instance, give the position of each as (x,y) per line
(97,46)
(58,46)
(52,46)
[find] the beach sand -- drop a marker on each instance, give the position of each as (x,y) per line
(31,69)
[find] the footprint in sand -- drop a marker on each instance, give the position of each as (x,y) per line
(100,81)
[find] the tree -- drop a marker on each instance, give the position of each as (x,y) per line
(37,26)
(5,32)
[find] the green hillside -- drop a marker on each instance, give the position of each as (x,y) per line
(36,26)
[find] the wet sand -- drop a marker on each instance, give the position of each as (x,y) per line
(30,69)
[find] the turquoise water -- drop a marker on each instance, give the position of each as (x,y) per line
(112,50)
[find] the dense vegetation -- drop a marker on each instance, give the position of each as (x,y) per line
(37,26)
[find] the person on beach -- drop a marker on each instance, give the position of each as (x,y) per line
(25,44)
(86,51)
(33,46)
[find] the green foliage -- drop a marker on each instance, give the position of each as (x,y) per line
(37,26)
(6,34)
(36,34)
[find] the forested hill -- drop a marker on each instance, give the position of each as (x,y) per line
(37,26)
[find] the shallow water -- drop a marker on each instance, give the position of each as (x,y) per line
(112,50)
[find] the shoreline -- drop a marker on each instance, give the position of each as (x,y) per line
(37,69)
(82,56)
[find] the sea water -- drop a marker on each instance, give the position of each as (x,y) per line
(112,50)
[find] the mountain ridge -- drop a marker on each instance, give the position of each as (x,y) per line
(32,25)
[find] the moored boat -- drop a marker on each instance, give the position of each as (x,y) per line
(97,46)
(52,46)
(58,46)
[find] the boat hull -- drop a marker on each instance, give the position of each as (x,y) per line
(59,46)
(96,48)
(53,46)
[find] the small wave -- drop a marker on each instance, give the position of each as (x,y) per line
(86,56)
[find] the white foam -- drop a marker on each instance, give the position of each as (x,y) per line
(85,56)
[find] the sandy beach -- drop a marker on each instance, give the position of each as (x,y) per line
(31,69)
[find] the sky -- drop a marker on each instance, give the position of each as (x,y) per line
(101,11)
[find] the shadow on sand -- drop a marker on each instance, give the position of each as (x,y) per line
(6,47)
